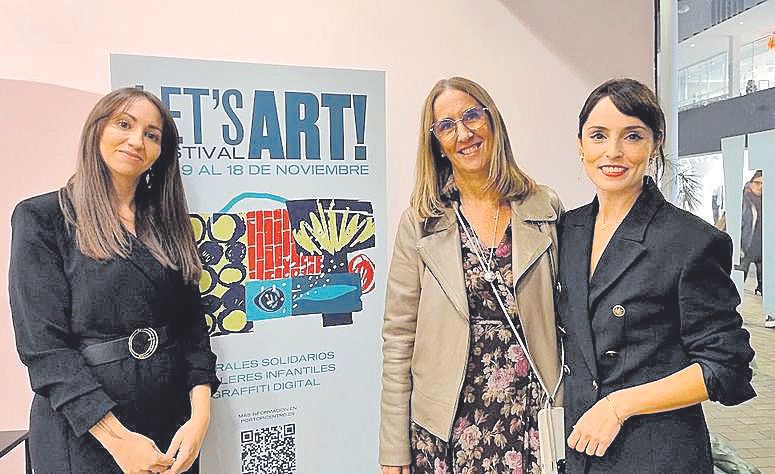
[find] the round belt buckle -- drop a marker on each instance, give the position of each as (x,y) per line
(152,341)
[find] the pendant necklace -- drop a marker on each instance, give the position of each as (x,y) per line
(489,274)
(614,222)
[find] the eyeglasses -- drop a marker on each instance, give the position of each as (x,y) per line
(472,119)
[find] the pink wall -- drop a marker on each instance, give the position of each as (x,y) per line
(37,159)
(538,59)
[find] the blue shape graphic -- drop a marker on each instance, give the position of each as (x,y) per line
(327,293)
(243,196)
(268,299)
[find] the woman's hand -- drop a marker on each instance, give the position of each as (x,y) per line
(596,429)
(189,438)
(137,454)
(133,452)
(186,444)
(395,469)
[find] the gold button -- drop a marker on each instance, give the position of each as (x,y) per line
(618,311)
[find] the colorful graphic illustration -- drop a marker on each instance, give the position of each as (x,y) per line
(364,266)
(276,263)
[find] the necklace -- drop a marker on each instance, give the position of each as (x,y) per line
(603,226)
(626,206)
(489,274)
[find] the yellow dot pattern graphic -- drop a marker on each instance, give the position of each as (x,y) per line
(216,233)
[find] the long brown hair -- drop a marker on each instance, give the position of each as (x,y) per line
(433,169)
(89,202)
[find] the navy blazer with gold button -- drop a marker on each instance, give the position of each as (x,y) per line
(660,299)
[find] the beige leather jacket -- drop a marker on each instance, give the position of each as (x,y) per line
(426,328)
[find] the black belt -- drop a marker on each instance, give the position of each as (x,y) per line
(141,344)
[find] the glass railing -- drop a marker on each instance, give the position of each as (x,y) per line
(702,100)
(695,16)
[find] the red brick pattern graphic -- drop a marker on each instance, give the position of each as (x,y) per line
(271,250)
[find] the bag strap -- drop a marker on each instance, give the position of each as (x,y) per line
(551,396)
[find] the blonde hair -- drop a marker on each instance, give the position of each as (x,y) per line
(88,200)
(433,169)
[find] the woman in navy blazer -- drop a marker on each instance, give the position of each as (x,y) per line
(647,302)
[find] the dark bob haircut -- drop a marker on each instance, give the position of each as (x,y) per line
(635,99)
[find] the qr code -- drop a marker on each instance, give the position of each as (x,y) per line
(270,450)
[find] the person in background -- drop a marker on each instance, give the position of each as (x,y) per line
(751,229)
(751,234)
(647,301)
(472,252)
(750,87)
(717,205)
(106,306)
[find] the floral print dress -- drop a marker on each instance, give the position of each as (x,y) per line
(496,424)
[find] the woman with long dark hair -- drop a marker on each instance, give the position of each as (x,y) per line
(106,306)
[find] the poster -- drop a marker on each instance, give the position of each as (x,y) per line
(284,171)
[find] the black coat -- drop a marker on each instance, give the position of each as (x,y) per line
(660,300)
(60,298)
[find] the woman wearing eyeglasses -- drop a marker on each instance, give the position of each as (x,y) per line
(472,269)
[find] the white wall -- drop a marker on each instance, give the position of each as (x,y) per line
(538,59)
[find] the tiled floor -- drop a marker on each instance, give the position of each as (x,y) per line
(750,427)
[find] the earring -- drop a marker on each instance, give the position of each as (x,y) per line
(149,179)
